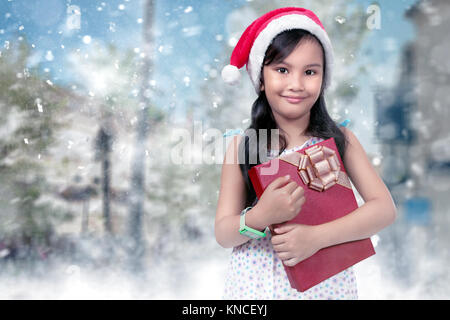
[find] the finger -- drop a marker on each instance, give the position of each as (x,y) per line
(277,240)
(300,201)
(285,256)
(290,187)
(297,193)
(279,182)
(290,262)
(284,228)
(280,247)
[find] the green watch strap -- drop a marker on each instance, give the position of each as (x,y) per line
(247,231)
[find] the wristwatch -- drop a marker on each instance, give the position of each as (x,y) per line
(246,230)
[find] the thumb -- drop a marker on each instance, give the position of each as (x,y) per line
(284,228)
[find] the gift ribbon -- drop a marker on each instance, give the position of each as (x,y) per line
(319,168)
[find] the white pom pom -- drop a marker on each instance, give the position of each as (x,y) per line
(231,74)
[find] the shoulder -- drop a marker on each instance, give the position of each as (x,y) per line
(349,135)
(233,149)
(360,170)
(353,148)
(352,144)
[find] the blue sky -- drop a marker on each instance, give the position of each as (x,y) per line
(187,33)
(393,26)
(183,27)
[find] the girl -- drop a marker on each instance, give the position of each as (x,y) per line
(289,59)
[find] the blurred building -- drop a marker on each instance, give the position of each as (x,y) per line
(413,129)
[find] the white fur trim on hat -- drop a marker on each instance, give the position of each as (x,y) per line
(231,74)
(286,22)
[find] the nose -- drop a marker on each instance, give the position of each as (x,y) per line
(296,83)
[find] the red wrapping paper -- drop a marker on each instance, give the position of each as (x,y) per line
(319,207)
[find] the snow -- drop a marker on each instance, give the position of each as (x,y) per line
(205,281)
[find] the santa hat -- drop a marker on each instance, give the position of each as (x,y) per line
(255,40)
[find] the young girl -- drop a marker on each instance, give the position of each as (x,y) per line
(289,59)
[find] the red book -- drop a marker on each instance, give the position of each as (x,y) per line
(320,171)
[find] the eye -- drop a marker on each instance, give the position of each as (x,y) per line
(311,71)
(282,70)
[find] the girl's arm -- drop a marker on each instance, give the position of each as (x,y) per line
(376,213)
(232,201)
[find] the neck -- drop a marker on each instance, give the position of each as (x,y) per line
(293,130)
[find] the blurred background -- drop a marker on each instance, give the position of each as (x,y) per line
(92,204)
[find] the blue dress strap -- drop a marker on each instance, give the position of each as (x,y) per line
(233,132)
(344,123)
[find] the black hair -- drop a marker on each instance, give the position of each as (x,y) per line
(320,123)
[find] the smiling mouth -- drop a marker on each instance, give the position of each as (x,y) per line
(293,99)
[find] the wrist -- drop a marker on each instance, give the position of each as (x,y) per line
(322,235)
(254,219)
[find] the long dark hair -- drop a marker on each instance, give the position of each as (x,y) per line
(320,123)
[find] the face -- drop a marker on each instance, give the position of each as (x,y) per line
(293,85)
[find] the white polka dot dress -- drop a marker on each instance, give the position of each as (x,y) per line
(255,272)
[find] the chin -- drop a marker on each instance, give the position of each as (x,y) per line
(292,115)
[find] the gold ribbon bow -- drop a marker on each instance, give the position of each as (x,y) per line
(319,168)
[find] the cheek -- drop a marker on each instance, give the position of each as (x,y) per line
(315,85)
(272,81)
(273,85)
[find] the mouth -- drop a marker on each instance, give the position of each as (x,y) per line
(293,99)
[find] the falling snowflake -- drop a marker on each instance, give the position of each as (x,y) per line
(87,39)
(39,105)
(340,19)
(186,81)
(49,56)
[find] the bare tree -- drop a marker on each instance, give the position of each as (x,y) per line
(103,145)
(137,190)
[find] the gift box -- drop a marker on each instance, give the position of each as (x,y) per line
(320,171)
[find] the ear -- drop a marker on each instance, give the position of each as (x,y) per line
(261,82)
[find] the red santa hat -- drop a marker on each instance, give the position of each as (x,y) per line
(255,40)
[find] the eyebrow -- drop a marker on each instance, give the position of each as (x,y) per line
(307,66)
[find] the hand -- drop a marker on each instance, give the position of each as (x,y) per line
(295,242)
(281,201)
